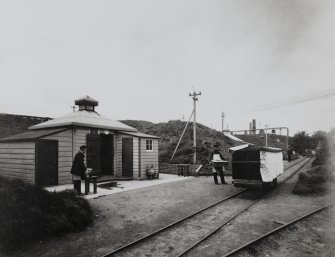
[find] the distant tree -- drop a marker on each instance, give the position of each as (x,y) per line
(301,141)
(319,138)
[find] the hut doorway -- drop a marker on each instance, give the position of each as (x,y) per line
(127,157)
(100,153)
(46,163)
(107,155)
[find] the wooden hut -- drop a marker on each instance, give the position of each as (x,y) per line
(44,154)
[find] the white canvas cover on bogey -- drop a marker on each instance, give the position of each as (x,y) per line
(271,165)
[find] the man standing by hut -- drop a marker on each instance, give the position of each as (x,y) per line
(217,161)
(79,168)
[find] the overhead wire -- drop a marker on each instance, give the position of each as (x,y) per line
(317,96)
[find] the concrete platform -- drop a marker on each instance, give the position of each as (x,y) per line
(121,186)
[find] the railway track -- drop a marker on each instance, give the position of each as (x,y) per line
(276,230)
(201,224)
(330,252)
(241,212)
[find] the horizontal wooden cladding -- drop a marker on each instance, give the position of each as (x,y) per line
(14,169)
(66,133)
(65,144)
(148,161)
(64,163)
(18,173)
(64,169)
(24,166)
(29,179)
(23,145)
(61,137)
(65,154)
(64,181)
(65,158)
(17,161)
(62,148)
(17,156)
(17,151)
(81,131)
(65,174)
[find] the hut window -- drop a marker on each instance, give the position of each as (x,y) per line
(149,145)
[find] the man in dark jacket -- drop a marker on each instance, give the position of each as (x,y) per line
(217,161)
(289,154)
(79,168)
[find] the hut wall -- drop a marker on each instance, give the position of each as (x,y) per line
(79,139)
(80,135)
(148,157)
(17,160)
(65,155)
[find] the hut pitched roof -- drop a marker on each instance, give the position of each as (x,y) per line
(32,135)
(142,135)
(86,119)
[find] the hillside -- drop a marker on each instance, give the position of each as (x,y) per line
(11,124)
(206,137)
(170,133)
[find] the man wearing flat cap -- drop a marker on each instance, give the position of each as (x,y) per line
(79,168)
(218,163)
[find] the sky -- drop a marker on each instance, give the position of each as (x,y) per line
(141,58)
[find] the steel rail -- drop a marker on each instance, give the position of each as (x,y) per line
(181,220)
(215,230)
(172,224)
(330,251)
(238,214)
(275,230)
(295,163)
(293,173)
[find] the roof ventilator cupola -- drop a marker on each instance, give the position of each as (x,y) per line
(86,103)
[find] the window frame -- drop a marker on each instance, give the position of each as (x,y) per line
(149,142)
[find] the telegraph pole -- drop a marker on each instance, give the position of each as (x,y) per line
(73,108)
(222,116)
(195,99)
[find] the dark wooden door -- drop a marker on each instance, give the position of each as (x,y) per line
(107,154)
(46,163)
(94,152)
(127,157)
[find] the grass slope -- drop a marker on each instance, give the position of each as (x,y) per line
(317,180)
(30,214)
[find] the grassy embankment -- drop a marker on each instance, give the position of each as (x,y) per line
(315,181)
(318,180)
(31,214)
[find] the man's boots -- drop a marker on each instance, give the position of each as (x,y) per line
(77,186)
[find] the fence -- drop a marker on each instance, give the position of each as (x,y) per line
(205,170)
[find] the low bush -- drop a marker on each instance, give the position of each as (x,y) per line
(29,213)
(314,181)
